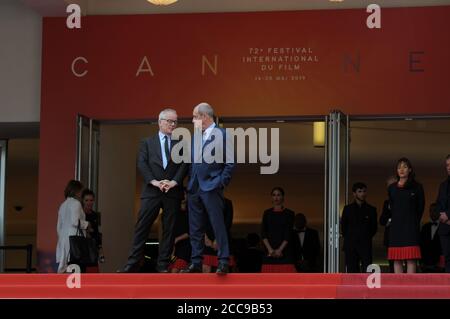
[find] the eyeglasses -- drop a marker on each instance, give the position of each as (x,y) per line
(171,122)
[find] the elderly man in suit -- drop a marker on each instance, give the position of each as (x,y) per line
(205,191)
(163,182)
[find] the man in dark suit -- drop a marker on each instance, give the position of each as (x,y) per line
(359,225)
(163,180)
(443,203)
(430,243)
(306,245)
(385,220)
(208,178)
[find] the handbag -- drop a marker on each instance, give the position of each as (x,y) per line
(83,250)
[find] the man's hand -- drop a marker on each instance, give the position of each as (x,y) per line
(443,217)
(158,184)
(168,185)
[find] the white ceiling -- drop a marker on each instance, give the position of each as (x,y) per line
(124,7)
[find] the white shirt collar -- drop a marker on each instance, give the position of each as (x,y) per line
(161,136)
(208,131)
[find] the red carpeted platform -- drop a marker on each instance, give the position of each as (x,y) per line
(232,286)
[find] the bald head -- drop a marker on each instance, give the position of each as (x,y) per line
(203,113)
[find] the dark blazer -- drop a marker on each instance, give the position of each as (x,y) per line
(430,247)
(310,250)
(214,175)
(359,225)
(150,165)
(443,204)
(407,204)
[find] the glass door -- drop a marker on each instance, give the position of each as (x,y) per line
(336,185)
(3,148)
(87,157)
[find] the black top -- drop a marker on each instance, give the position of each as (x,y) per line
(407,204)
(308,253)
(276,228)
(183,247)
(359,225)
(430,247)
(94,220)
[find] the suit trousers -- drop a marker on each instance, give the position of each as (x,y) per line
(148,213)
(445,244)
(357,260)
(203,205)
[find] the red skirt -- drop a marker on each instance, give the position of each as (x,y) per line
(211,260)
(279,268)
(404,253)
(179,264)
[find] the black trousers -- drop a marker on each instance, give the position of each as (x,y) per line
(147,215)
(357,260)
(445,244)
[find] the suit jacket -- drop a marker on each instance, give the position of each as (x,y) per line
(443,203)
(359,225)
(310,250)
(211,176)
(150,165)
(430,247)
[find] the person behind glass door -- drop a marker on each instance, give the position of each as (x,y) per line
(443,206)
(182,245)
(306,245)
(277,228)
(407,202)
(430,243)
(359,225)
(70,217)
(385,220)
(93,217)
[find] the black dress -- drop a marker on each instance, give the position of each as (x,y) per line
(407,204)
(277,226)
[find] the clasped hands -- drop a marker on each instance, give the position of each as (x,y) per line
(164,185)
(276,253)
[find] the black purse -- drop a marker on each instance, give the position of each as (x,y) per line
(83,250)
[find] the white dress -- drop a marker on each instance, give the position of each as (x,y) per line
(70,212)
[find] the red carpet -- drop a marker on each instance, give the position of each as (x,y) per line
(233,286)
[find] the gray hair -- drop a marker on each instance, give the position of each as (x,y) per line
(205,108)
(163,113)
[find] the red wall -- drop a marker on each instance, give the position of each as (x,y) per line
(174,45)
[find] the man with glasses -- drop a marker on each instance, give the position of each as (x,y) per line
(163,188)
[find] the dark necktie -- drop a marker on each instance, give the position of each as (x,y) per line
(166,148)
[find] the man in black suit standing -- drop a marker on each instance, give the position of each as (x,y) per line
(359,225)
(207,180)
(443,203)
(306,245)
(163,181)
(430,243)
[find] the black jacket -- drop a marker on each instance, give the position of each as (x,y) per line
(407,206)
(359,225)
(430,247)
(310,251)
(443,203)
(150,165)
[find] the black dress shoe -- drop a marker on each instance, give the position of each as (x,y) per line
(129,269)
(192,268)
(223,269)
(162,270)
